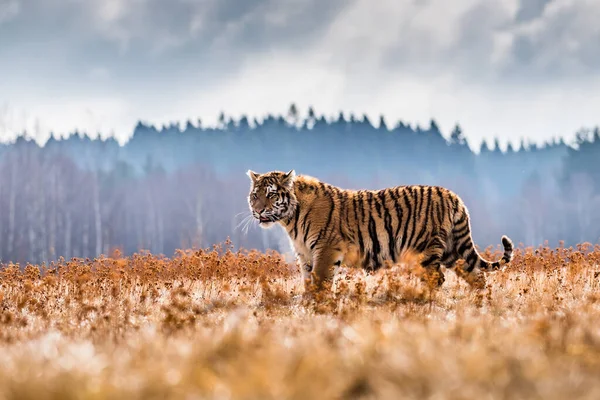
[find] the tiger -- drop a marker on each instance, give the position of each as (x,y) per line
(329,227)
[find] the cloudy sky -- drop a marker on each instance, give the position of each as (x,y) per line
(507,68)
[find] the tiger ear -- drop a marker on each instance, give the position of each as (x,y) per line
(288,179)
(253,175)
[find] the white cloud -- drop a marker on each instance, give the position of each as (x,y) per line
(510,113)
(562,43)
(510,68)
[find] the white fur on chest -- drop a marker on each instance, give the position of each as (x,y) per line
(302,251)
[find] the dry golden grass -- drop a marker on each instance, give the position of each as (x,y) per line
(217,324)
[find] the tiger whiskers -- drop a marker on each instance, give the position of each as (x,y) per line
(245,223)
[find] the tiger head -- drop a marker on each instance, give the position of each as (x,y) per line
(272,196)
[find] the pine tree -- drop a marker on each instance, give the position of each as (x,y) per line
(189,126)
(484,148)
(243,124)
(382,124)
(221,123)
(509,148)
(293,115)
(496,148)
(400,125)
(366,120)
(457,137)
(433,126)
(522,146)
(581,136)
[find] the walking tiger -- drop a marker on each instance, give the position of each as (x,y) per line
(329,226)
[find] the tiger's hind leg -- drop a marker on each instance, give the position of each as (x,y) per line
(432,258)
(473,276)
(449,259)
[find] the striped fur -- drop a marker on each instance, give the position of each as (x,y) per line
(329,226)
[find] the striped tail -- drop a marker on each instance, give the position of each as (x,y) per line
(506,257)
(474,259)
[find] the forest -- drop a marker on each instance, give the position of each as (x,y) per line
(175,187)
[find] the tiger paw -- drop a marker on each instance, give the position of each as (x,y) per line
(433,279)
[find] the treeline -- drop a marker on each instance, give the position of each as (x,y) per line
(177,187)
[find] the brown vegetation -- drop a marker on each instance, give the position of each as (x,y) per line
(218,324)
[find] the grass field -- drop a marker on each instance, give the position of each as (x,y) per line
(216,324)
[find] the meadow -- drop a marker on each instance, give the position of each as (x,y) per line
(218,324)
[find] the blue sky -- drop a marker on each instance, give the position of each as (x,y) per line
(511,68)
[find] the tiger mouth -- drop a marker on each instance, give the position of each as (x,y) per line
(272,218)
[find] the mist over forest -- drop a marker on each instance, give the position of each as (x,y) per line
(174,187)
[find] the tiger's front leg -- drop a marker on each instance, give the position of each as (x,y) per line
(306,270)
(305,264)
(324,266)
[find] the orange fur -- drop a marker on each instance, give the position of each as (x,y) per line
(329,226)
